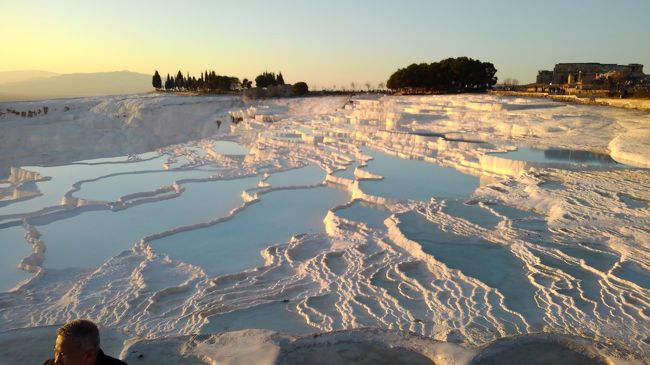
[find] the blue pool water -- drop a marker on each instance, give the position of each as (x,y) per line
(415,179)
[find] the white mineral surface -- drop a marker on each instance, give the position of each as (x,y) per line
(438,229)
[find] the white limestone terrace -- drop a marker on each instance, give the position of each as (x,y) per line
(380,220)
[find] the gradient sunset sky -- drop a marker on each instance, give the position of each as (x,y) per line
(325,43)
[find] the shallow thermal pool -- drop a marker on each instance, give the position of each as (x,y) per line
(114,232)
(573,157)
(373,216)
(235,245)
(415,179)
(230,148)
(14,249)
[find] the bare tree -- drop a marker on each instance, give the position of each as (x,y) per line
(367,84)
(381,85)
(353,85)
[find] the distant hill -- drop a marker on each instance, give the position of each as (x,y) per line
(76,85)
(23,75)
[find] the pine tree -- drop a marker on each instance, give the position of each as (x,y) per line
(280,79)
(156,81)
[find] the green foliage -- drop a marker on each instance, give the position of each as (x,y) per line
(179,82)
(267,79)
(169,83)
(449,75)
(208,81)
(156,80)
(300,88)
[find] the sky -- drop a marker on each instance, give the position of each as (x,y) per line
(325,43)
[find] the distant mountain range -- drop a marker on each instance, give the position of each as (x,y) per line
(23,75)
(34,85)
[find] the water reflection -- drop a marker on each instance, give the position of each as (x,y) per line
(13,248)
(235,244)
(415,179)
(560,156)
(370,214)
(230,148)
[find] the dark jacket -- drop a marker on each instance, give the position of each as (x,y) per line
(102,359)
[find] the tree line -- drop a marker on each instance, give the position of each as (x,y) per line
(211,81)
(207,81)
(460,74)
(267,79)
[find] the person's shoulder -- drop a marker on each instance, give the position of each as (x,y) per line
(103,359)
(49,362)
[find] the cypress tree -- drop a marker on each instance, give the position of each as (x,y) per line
(168,83)
(179,80)
(156,81)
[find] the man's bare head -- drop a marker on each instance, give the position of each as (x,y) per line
(77,343)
